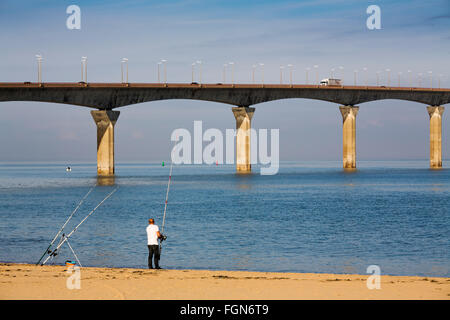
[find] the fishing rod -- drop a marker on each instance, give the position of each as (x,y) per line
(167,197)
(163,237)
(66,238)
(65,223)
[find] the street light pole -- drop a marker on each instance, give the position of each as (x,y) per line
(389,77)
(232,71)
(262,72)
(431,78)
(253,73)
(355,73)
(224,72)
(84,64)
(365,75)
(39,61)
(125,60)
(290,73)
(317,73)
(281,74)
(307,75)
(193,65)
(159,72)
(399,78)
(121,70)
(165,70)
(199,72)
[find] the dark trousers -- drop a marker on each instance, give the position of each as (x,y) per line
(153,251)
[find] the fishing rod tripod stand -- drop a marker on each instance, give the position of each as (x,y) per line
(54,253)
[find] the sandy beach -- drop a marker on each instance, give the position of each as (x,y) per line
(25,281)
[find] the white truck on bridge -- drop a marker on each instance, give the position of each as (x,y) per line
(330,82)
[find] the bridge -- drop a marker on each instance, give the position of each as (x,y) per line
(105,97)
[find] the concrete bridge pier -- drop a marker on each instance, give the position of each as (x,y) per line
(349,135)
(243,117)
(105,121)
(435,113)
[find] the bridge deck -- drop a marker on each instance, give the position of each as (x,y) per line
(114,95)
(205,85)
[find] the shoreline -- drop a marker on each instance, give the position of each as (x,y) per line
(10,263)
(30,282)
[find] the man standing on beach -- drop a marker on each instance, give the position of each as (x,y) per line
(152,241)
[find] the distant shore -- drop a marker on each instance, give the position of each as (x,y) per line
(25,281)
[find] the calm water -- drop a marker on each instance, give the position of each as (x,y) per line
(311,217)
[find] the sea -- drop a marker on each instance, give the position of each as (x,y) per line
(311,217)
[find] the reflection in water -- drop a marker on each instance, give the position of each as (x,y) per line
(243,180)
(106,180)
(438,187)
(349,173)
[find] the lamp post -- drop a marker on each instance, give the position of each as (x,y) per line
(378,78)
(253,73)
(409,78)
(420,79)
(307,75)
(316,67)
(193,65)
(290,66)
(224,72)
(163,61)
(199,71)
(355,73)
(388,77)
(125,60)
(39,61)
(84,64)
(281,74)
(159,71)
(439,81)
(431,78)
(232,71)
(399,78)
(262,72)
(365,75)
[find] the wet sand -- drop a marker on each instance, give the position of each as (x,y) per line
(24,281)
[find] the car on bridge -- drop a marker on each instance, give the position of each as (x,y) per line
(330,82)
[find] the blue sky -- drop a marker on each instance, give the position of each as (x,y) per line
(415,36)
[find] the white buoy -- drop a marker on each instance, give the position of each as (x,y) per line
(68,169)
